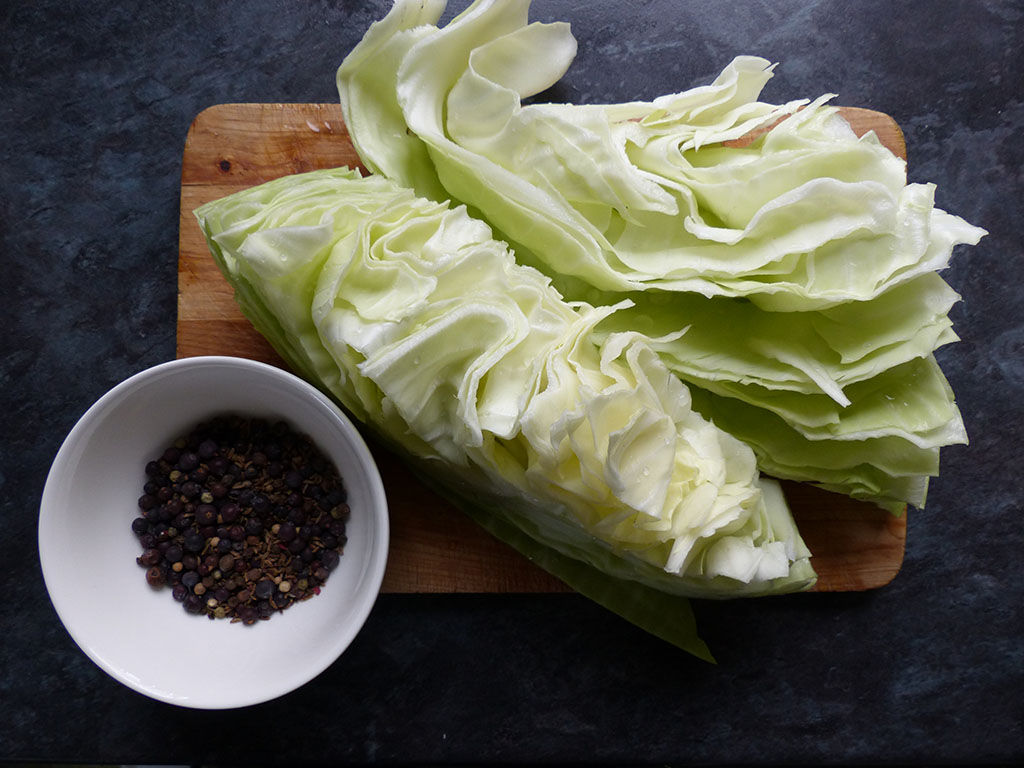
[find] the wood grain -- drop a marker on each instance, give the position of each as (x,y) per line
(434,548)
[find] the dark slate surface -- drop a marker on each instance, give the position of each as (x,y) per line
(95,100)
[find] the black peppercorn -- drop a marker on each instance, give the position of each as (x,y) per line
(193,541)
(247,613)
(286,532)
(260,503)
(329,558)
(188,461)
(206,514)
(229,512)
(293,479)
(193,604)
(190,489)
(264,589)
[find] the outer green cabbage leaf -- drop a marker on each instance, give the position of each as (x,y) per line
(372,114)
(888,471)
(818,352)
(428,330)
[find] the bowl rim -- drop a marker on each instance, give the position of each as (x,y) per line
(379,522)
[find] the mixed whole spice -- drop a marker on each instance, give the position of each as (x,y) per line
(241,518)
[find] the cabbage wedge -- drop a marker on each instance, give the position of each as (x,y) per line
(794,254)
(639,195)
(500,393)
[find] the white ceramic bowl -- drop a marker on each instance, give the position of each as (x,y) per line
(143,637)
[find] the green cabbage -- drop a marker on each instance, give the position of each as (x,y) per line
(793,275)
(499,391)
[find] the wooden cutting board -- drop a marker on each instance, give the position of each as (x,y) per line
(434,548)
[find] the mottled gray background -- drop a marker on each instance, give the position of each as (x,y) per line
(95,101)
